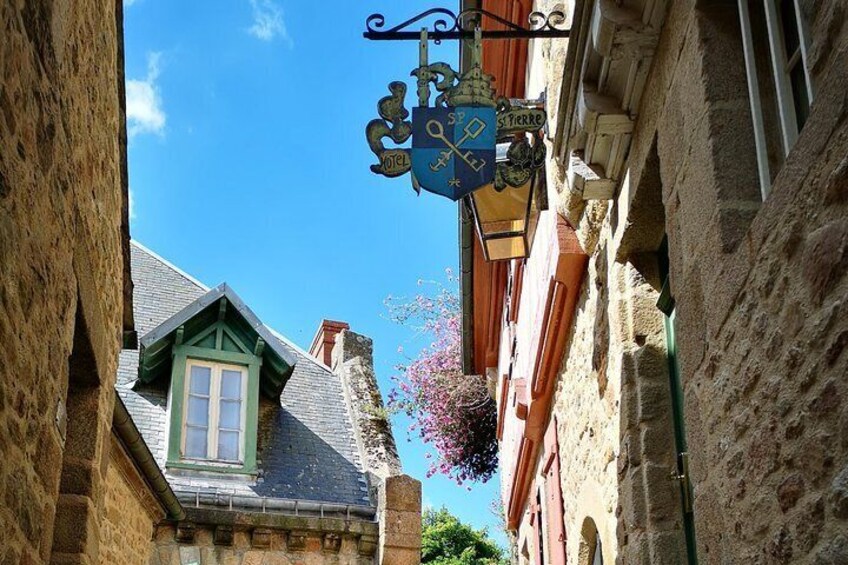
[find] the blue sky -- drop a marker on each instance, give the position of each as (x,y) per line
(248,164)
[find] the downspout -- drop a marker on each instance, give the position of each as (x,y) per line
(466,239)
(131,439)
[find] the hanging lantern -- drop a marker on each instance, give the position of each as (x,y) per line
(506,212)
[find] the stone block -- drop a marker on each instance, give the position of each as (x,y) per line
(662,495)
(164,533)
(189,555)
(261,538)
(398,522)
(667,548)
(401,492)
(367,546)
(253,558)
(223,535)
(398,556)
(57,558)
(296,541)
(332,543)
(185,532)
(838,496)
(75,528)
(654,400)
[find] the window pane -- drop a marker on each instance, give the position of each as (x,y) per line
(800,96)
(765,82)
(230,417)
(195,445)
(789,23)
(228,446)
(198,411)
(230,384)
(200,377)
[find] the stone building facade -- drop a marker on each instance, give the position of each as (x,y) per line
(670,358)
(65,300)
(80,479)
(313,475)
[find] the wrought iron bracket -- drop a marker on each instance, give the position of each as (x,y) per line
(461,25)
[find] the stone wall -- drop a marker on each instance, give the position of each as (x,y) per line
(399,513)
(271,540)
(316,536)
(398,496)
(760,292)
(62,208)
(126,529)
(353,360)
(761,322)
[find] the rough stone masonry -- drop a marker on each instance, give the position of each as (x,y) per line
(63,234)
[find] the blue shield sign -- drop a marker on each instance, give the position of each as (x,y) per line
(453,149)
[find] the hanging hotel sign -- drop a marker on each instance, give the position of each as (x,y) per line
(453,149)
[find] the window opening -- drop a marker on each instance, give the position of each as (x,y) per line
(540,537)
(779,87)
(214,416)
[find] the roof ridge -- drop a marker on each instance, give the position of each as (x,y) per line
(173,267)
(205,288)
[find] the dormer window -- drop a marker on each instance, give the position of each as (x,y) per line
(220,358)
(214,422)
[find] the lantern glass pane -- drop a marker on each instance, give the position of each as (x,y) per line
(506,248)
(501,212)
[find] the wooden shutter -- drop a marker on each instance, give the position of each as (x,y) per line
(536,522)
(553,498)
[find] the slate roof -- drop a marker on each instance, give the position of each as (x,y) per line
(307,449)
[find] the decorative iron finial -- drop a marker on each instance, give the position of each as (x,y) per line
(475,87)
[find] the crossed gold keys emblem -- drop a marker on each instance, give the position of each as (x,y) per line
(472,130)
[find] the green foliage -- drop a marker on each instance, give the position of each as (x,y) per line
(447,541)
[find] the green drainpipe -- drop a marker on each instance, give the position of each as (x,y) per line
(466,242)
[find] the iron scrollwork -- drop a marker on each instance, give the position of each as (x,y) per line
(393,162)
(448,136)
(460,25)
(522,158)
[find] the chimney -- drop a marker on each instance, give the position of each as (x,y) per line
(325,340)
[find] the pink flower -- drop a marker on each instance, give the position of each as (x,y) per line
(450,410)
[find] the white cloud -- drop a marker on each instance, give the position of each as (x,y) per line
(131,204)
(144,103)
(268,21)
(129,2)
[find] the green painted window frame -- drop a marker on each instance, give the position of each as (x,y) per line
(181,355)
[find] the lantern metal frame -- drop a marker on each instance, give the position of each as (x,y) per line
(536,193)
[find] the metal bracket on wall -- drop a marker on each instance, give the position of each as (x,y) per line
(461,25)
(684,479)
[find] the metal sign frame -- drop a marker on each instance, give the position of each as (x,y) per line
(461,25)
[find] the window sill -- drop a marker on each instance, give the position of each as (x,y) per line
(210,469)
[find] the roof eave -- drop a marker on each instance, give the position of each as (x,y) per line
(143,460)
